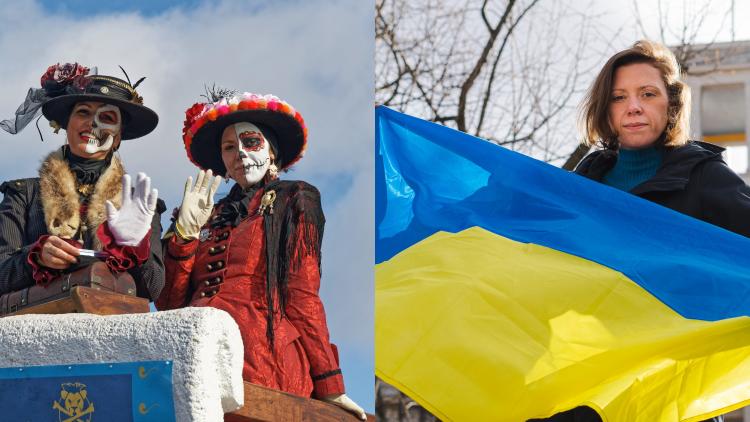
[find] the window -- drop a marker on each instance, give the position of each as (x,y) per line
(723,118)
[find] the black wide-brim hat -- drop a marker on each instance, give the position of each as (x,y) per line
(138,120)
(282,126)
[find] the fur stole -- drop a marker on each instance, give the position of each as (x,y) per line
(61,201)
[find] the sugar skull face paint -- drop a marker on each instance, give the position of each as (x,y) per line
(107,123)
(250,140)
(93,129)
(246,153)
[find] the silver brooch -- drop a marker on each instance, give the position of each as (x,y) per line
(204,235)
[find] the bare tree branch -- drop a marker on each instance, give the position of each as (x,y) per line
(506,71)
(494,31)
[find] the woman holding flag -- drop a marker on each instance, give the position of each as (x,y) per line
(638,112)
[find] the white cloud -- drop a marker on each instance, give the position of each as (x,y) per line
(317,55)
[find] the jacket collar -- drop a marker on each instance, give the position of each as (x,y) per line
(677,166)
(673,174)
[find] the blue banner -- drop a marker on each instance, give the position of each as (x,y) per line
(113,392)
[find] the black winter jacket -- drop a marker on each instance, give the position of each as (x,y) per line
(693,179)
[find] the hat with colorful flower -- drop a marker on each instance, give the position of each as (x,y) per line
(62,86)
(280,123)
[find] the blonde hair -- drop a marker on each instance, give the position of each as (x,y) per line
(594,111)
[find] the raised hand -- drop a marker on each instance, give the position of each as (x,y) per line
(197,204)
(130,224)
(344,402)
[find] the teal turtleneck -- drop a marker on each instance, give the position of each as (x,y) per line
(633,167)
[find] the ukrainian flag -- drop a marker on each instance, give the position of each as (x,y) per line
(509,289)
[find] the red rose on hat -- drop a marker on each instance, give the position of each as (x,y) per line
(191,114)
(64,74)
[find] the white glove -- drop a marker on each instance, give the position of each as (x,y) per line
(344,402)
(197,204)
(132,221)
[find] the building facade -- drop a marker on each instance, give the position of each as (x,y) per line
(719,77)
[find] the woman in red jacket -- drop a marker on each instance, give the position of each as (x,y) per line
(256,254)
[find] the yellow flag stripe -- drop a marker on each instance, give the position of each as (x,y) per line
(475,326)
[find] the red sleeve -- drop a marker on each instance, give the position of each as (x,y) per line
(122,258)
(305,311)
(42,275)
(178,263)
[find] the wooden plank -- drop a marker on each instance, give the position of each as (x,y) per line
(88,300)
(102,302)
(57,306)
(265,405)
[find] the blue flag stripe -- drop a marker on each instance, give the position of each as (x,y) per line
(432,178)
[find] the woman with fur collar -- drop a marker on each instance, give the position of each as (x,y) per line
(256,255)
(83,198)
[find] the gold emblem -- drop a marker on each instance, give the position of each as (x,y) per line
(85,190)
(266,202)
(143,410)
(73,404)
(104,90)
(143,373)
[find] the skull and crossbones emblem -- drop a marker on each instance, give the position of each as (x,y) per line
(73,404)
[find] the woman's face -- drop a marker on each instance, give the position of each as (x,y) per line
(246,153)
(94,129)
(638,106)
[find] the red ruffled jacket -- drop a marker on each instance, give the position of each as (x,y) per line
(228,269)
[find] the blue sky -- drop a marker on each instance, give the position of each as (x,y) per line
(317,55)
(87,8)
